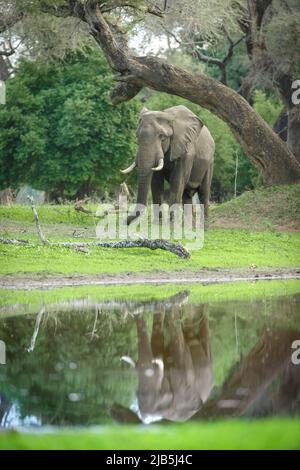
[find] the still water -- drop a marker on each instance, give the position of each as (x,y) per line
(85,362)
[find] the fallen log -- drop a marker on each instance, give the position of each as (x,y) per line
(12,241)
(156,244)
(165,245)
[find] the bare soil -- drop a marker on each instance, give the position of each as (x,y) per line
(205,276)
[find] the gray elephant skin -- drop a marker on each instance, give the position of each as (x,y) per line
(175,368)
(174,146)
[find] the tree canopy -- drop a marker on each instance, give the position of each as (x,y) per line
(199,25)
(59,130)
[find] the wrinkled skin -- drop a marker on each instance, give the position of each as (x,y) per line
(179,139)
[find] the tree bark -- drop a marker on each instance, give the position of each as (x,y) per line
(293,130)
(263,65)
(264,148)
(4,69)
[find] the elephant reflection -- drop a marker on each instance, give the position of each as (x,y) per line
(174,368)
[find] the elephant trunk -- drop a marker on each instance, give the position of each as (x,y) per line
(144,180)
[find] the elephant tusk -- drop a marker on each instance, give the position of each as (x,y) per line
(129,169)
(160,165)
(159,364)
(128,360)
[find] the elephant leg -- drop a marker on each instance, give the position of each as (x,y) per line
(144,348)
(157,189)
(204,191)
(178,350)
(203,329)
(178,180)
(179,177)
(188,200)
(157,339)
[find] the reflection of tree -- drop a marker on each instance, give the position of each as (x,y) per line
(173,352)
(65,363)
(5,407)
(264,382)
(86,304)
(174,367)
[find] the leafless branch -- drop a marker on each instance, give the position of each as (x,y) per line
(221,63)
(8,51)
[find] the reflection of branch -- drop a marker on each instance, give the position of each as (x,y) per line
(94,330)
(124,306)
(151,9)
(36,329)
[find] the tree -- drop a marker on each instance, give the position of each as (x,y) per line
(46,135)
(273,45)
(270,31)
(267,152)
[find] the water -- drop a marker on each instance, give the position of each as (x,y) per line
(81,362)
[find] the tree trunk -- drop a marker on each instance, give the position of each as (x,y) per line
(265,149)
(4,71)
(281,124)
(293,134)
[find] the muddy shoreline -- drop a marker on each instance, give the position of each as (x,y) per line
(205,276)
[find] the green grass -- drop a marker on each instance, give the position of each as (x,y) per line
(267,208)
(222,249)
(264,434)
(48,214)
(32,299)
(277,207)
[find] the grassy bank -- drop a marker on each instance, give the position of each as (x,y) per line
(29,301)
(239,247)
(222,249)
(274,208)
(265,434)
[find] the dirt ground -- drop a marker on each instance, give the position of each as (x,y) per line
(205,276)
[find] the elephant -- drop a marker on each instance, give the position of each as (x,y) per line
(175,375)
(174,146)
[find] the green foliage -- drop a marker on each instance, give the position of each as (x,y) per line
(237,68)
(59,130)
(268,107)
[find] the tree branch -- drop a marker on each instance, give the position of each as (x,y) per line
(103,35)
(221,63)
(37,222)
(12,49)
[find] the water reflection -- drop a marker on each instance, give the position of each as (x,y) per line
(84,362)
(174,368)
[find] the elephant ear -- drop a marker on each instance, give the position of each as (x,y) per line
(186,127)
